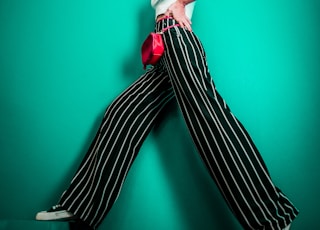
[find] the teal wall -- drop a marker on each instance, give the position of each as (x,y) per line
(63,61)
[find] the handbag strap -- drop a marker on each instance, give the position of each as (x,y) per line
(169,27)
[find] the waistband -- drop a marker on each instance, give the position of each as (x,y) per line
(165,23)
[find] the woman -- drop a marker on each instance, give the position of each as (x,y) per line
(227,150)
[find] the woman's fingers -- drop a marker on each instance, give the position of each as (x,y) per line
(186,24)
(177,11)
(183,21)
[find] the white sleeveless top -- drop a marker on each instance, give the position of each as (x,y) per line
(161,7)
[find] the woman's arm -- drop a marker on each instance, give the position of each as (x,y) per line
(177,11)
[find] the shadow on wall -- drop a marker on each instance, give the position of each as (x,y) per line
(197,198)
(132,68)
(133,64)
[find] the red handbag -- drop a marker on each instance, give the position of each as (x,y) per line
(153,47)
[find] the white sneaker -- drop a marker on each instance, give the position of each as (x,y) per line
(55,213)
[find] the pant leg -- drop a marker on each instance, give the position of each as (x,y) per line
(223,143)
(126,123)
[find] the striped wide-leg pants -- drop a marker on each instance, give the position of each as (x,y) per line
(227,150)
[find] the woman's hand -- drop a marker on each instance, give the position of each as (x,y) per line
(177,11)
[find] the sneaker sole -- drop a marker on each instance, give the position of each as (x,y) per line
(60,215)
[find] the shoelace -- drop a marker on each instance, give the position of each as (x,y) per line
(56,207)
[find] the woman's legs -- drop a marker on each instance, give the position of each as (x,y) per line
(223,143)
(126,123)
(226,148)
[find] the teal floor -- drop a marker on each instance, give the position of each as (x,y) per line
(32,224)
(39,225)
